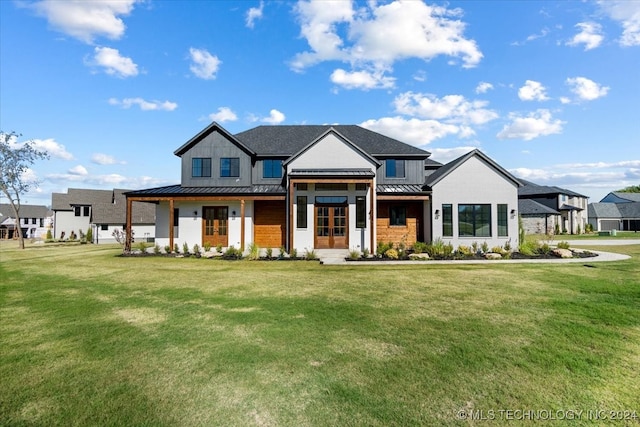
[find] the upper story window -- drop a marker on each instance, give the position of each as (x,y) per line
(272,168)
(229,167)
(201,167)
(394,168)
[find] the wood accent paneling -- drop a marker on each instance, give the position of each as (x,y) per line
(270,223)
(410,233)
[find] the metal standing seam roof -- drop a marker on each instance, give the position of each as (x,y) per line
(345,172)
(177,191)
(400,189)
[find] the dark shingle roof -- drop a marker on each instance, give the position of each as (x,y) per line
(621,197)
(287,140)
(26,211)
(629,210)
(454,164)
(532,189)
(80,197)
(603,210)
(110,213)
(531,207)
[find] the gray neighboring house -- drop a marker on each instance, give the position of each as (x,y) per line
(34,221)
(616,211)
(565,208)
(103,211)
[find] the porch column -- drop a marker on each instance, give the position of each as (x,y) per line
(291,228)
(372,217)
(242,225)
(171,221)
(128,230)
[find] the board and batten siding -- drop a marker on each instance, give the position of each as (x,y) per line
(215,146)
(476,182)
(413,169)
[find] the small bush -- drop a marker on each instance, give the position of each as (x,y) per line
(232,253)
(382,248)
(447,249)
(498,250)
(485,247)
(167,249)
(391,254)
(49,235)
(176,248)
(156,249)
(311,254)
(474,246)
(196,250)
(282,252)
(185,249)
(269,253)
(563,245)
(254,251)
(464,250)
(365,253)
(544,249)
(528,247)
(420,247)
(354,254)
(294,253)
(206,246)
(143,247)
(507,246)
(219,248)
(89,235)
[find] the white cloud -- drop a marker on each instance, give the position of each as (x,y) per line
(376,35)
(445,155)
(452,108)
(362,79)
(204,64)
(86,20)
(53,148)
(275,117)
(79,170)
(590,35)
(143,104)
(224,114)
(412,131)
(253,14)
(532,91)
(565,100)
(601,165)
(536,124)
(628,14)
(484,87)
(105,159)
(113,63)
(585,89)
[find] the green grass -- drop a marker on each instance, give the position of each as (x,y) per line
(90,338)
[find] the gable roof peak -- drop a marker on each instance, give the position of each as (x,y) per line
(214,126)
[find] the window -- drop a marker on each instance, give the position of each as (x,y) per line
(201,167)
(361,212)
(176,216)
(331,187)
(394,168)
(34,221)
(76,210)
(301,210)
(302,186)
(447,220)
(331,200)
(361,186)
(272,168)
(398,215)
(229,167)
(474,220)
(85,210)
(41,222)
(104,227)
(503,229)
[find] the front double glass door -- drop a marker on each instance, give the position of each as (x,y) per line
(331,227)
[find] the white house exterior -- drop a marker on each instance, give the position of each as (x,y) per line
(35,220)
(315,187)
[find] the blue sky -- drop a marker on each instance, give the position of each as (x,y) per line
(548,89)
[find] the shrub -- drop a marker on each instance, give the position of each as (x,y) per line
(89,235)
(294,253)
(156,249)
(282,252)
(556,229)
(437,248)
(49,235)
(206,246)
(465,250)
(196,250)
(420,247)
(485,247)
(311,254)
(185,249)
(528,247)
(269,253)
(143,247)
(507,246)
(232,253)
(382,248)
(447,250)
(563,245)
(365,253)
(544,249)
(167,249)
(176,248)
(391,254)
(354,254)
(588,228)
(219,248)
(254,251)
(498,250)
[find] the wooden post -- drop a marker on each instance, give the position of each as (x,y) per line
(171,221)
(129,231)
(242,225)
(291,226)
(372,216)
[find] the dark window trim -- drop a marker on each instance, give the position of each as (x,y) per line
(272,168)
(201,167)
(503,220)
(361,212)
(475,218)
(229,167)
(447,220)
(388,168)
(301,209)
(398,220)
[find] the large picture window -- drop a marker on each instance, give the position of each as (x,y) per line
(201,167)
(447,220)
(272,168)
(474,220)
(229,167)
(398,215)
(301,212)
(503,228)
(394,168)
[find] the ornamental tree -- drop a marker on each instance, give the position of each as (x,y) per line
(15,160)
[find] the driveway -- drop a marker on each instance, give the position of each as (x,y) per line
(600,242)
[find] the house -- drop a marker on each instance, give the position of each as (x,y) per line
(319,187)
(616,211)
(102,211)
(565,211)
(34,221)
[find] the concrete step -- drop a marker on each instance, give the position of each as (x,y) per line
(332,256)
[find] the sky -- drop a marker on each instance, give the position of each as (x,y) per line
(548,89)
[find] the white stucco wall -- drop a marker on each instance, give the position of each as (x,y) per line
(475,182)
(330,152)
(67,221)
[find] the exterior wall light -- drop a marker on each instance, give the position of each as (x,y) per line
(437,213)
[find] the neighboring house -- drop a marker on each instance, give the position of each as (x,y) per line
(315,187)
(616,211)
(102,211)
(570,209)
(34,221)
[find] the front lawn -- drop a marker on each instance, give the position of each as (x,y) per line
(90,338)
